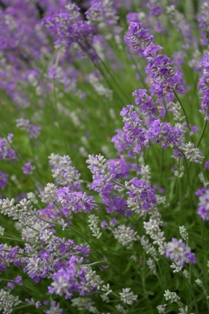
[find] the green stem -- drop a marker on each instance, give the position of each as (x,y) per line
(182,107)
(191,292)
(187,174)
(202,133)
(13,239)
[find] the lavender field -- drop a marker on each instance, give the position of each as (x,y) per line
(104,156)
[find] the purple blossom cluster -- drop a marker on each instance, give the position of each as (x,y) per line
(3,179)
(141,195)
(6,151)
(73,201)
(28,168)
(203,206)
(203,19)
(203,85)
(182,25)
(165,134)
(69,29)
(25,125)
(75,277)
(22,42)
(162,77)
(138,134)
(102,13)
(63,172)
(106,175)
(154,7)
(178,251)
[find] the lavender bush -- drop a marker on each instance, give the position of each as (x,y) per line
(103,157)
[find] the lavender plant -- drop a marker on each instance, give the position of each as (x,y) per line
(103,157)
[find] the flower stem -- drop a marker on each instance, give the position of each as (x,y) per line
(202,133)
(187,121)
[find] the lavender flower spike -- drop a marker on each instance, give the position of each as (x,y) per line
(203,85)
(203,206)
(177,251)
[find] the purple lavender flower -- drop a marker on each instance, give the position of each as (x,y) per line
(115,203)
(103,13)
(38,267)
(101,175)
(75,277)
(147,106)
(104,224)
(206,165)
(203,85)
(55,308)
(163,78)
(63,171)
(164,133)
(122,144)
(22,40)
(34,131)
(28,168)
(155,8)
(138,39)
(132,17)
(141,195)
(118,168)
(50,212)
(203,206)
(68,28)
(203,19)
(3,179)
(177,251)
(10,255)
(24,124)
(134,128)
(16,281)
(106,174)
(76,202)
(179,21)
(6,153)
(178,58)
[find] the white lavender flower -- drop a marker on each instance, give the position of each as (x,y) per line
(8,301)
(172,297)
(149,249)
(161,308)
(184,234)
(127,296)
(1,231)
(106,289)
(152,228)
(94,79)
(186,274)
(146,173)
(63,171)
(184,310)
(31,197)
(192,153)
(203,180)
(93,223)
(125,235)
(152,266)
(199,282)
(93,279)
(48,194)
(81,303)
(121,309)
